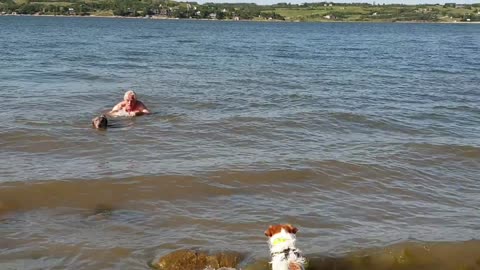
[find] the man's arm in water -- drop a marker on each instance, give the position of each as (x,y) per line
(142,109)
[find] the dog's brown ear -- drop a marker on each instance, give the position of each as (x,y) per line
(291,229)
(269,231)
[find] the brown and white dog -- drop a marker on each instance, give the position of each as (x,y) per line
(285,256)
(100,122)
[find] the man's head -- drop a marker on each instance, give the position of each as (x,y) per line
(130,98)
(100,122)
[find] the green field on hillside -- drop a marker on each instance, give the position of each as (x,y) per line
(376,13)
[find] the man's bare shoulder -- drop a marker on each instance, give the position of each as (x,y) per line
(142,108)
(141,105)
(120,104)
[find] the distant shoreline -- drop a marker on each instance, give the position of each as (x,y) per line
(227,20)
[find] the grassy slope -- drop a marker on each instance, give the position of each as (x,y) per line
(363,13)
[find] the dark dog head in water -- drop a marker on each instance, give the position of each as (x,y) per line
(100,122)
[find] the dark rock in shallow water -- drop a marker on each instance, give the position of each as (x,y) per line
(103,210)
(198,260)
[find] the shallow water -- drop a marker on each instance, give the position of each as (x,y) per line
(361,135)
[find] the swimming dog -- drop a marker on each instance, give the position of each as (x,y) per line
(100,122)
(285,256)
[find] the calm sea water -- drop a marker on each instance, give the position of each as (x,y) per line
(361,135)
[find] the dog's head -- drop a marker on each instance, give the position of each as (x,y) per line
(100,122)
(275,229)
(281,236)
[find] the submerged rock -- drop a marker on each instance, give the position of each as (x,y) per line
(198,260)
(103,209)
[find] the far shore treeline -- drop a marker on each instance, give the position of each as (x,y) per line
(321,11)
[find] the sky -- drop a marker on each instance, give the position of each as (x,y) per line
(407,2)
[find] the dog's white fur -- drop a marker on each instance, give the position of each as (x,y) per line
(284,252)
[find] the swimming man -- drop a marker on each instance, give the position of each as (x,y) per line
(130,106)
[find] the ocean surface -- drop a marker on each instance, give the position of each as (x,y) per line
(365,136)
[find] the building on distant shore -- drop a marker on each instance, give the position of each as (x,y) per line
(165,12)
